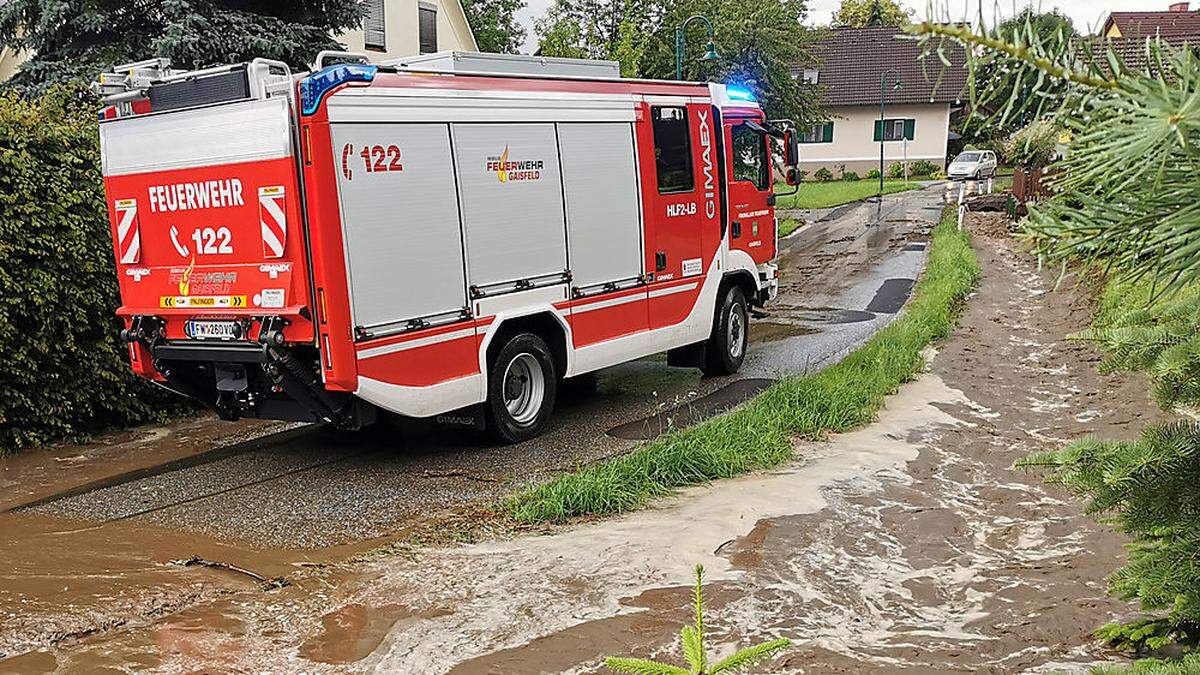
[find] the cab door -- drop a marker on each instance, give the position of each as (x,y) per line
(748,165)
(680,197)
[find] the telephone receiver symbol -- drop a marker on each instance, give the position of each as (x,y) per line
(179,248)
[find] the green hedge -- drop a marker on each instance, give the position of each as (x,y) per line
(63,372)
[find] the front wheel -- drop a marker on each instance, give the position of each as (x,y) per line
(727,344)
(521,388)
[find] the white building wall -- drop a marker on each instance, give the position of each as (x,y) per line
(854,141)
(403,36)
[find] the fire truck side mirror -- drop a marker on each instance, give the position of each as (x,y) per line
(791,149)
(791,176)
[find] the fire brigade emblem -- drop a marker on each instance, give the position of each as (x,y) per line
(510,171)
(185,279)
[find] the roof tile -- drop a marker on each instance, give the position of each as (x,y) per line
(851,60)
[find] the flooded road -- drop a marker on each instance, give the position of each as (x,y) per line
(93,535)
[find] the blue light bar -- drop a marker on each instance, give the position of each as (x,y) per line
(314,87)
(739,94)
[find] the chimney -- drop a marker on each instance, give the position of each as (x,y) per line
(1178,7)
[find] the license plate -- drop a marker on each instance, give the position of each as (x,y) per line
(212,330)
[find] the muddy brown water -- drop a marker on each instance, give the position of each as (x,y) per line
(910,545)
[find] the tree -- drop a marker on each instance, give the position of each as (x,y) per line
(870,13)
(74,40)
(694,650)
(495,24)
(592,28)
(996,81)
(759,41)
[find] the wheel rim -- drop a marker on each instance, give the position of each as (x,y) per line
(736,332)
(524,389)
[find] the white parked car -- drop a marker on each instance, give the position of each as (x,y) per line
(972,164)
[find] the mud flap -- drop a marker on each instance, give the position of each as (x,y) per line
(688,356)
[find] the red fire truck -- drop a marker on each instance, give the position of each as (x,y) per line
(449,236)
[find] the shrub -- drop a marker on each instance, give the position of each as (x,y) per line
(850,176)
(895,170)
(63,371)
(873,174)
(922,167)
(823,175)
(1033,147)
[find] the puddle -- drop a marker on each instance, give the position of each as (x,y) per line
(64,579)
(769,331)
(352,632)
(831,315)
(693,411)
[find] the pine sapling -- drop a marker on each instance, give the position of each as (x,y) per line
(694,650)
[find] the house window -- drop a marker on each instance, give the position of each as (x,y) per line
(750,156)
(810,76)
(818,133)
(672,149)
(896,129)
(427,25)
(374,26)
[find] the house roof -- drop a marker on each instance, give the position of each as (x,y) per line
(1149,24)
(1130,50)
(851,60)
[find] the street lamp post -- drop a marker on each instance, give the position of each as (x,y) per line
(710,53)
(883,78)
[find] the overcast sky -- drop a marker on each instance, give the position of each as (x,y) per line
(1084,13)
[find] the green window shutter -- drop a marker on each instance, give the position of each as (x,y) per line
(878,130)
(827,133)
(909,127)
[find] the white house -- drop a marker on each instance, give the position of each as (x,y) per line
(396,28)
(392,29)
(850,62)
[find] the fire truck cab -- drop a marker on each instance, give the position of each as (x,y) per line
(449,236)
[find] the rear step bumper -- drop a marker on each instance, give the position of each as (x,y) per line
(219,353)
(248,379)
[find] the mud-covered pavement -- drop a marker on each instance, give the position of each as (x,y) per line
(909,544)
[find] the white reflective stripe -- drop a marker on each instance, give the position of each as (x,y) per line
(674,289)
(272,207)
(127,216)
(131,254)
(411,344)
(273,243)
(613,302)
(274,246)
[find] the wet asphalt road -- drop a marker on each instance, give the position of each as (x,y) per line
(844,278)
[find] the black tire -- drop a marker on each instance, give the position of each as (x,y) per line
(727,344)
(518,406)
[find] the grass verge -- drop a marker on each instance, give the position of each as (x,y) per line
(758,434)
(788,226)
(1188,665)
(835,193)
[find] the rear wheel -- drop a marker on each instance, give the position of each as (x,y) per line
(521,388)
(727,344)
